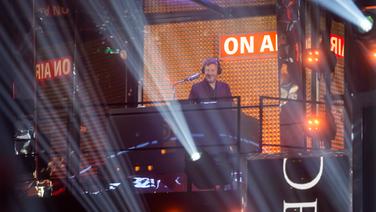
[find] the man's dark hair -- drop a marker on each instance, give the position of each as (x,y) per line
(210,61)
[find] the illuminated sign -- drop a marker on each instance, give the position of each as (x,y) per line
(54,68)
(302,186)
(253,45)
(53,10)
(145,182)
(248,45)
(337,45)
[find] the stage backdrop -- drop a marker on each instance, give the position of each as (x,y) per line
(174,51)
(170,6)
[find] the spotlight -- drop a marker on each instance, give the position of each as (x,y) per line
(137,168)
(347,10)
(163,151)
(205,173)
(313,125)
(366,29)
(195,156)
(109,50)
(366,24)
(320,126)
(312,58)
(123,54)
(372,56)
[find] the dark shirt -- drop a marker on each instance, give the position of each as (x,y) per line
(203,90)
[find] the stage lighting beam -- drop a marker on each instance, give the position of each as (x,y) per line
(366,25)
(195,156)
(347,10)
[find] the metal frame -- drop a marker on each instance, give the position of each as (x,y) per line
(262,106)
(205,15)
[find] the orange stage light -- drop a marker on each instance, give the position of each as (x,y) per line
(312,58)
(317,125)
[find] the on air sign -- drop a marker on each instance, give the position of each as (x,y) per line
(248,45)
(337,45)
(54,68)
(53,10)
(253,45)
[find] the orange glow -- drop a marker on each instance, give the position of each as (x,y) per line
(150,168)
(163,151)
(137,168)
(236,210)
(313,124)
(312,58)
(240,83)
(317,125)
(174,210)
(374,54)
(369,7)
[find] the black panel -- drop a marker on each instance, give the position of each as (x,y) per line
(369,159)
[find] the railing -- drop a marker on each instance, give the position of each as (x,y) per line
(297,113)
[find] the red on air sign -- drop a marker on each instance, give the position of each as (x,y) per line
(54,68)
(245,46)
(337,45)
(53,10)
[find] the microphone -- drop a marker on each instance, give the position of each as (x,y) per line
(193,77)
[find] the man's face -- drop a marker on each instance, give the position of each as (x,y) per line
(211,73)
